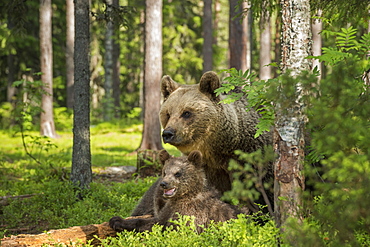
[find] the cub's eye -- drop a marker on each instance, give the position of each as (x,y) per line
(186,114)
(178,174)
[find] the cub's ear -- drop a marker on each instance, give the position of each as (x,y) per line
(208,83)
(196,158)
(163,156)
(168,86)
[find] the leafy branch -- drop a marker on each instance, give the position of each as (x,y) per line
(26,107)
(256,91)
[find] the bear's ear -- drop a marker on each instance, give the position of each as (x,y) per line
(168,86)
(208,83)
(163,156)
(195,157)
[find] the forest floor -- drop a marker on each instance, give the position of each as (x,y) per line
(52,203)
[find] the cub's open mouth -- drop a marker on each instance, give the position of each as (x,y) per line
(169,192)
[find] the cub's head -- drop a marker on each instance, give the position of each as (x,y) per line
(189,111)
(182,176)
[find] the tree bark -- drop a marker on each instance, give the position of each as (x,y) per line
(249,33)
(207,36)
(81,174)
(116,68)
(289,122)
(108,65)
(47,127)
(70,39)
(148,163)
(317,42)
(152,76)
(265,50)
(11,91)
(217,10)
(277,41)
(237,37)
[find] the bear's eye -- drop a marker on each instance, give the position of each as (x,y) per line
(178,174)
(186,114)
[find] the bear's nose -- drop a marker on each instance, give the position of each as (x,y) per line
(168,135)
(163,184)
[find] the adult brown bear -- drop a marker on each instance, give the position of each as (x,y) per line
(193,118)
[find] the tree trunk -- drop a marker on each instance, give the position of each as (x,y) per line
(108,65)
(265,50)
(148,163)
(116,67)
(47,127)
(81,174)
(277,49)
(10,94)
(152,76)
(217,10)
(366,75)
(207,36)
(289,122)
(237,37)
(249,34)
(11,91)
(317,42)
(70,39)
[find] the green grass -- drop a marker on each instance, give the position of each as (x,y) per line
(55,205)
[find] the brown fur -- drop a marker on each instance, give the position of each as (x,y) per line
(198,121)
(185,188)
(193,118)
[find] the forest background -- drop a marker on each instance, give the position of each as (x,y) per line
(183,59)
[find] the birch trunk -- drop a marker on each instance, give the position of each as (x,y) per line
(289,123)
(47,127)
(70,39)
(317,42)
(265,50)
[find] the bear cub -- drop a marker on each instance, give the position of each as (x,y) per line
(184,189)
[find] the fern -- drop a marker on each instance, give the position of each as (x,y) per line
(347,46)
(347,40)
(365,43)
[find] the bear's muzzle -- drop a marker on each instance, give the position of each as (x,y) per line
(168,135)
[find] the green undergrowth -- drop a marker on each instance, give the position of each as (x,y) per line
(55,205)
(236,232)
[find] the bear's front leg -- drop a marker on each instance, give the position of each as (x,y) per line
(138,224)
(117,223)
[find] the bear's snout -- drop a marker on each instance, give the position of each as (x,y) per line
(168,135)
(164,184)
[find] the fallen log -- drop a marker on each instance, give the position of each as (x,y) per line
(69,236)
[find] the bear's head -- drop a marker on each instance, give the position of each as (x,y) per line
(182,176)
(189,112)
